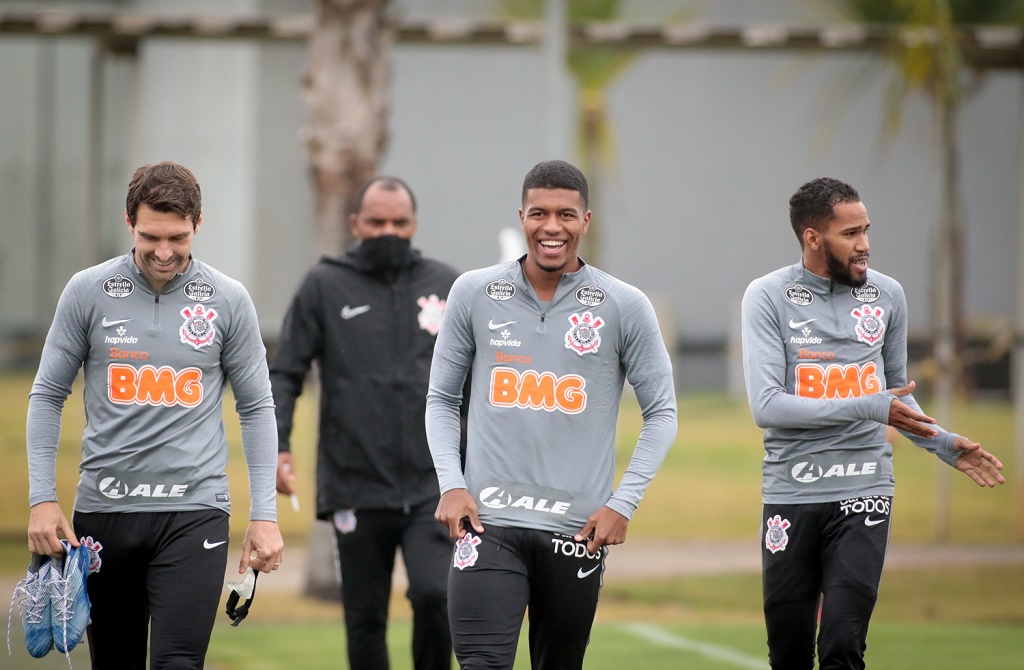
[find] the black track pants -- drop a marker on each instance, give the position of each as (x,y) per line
(508,571)
(367,556)
(827,553)
(162,573)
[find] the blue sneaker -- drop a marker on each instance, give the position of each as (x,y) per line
(69,599)
(32,595)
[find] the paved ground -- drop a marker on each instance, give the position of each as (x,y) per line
(654,559)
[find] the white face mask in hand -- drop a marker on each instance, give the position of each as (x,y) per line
(245,589)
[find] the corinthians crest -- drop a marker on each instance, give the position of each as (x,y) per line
(870,326)
(775,538)
(198,328)
(465,551)
(582,335)
(431,311)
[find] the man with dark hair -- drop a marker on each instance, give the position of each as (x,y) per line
(370,319)
(549,342)
(825,361)
(159,335)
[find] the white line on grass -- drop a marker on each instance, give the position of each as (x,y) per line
(706,649)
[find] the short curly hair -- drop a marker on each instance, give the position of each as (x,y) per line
(556,175)
(812,206)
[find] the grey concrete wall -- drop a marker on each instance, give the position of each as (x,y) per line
(709,148)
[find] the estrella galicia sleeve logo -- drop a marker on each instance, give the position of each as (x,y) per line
(118,286)
(591,296)
(198,328)
(798,295)
(199,290)
(866,293)
(500,290)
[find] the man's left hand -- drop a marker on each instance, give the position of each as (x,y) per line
(978,464)
(262,547)
(604,527)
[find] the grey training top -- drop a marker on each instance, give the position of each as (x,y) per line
(156,366)
(818,358)
(547,381)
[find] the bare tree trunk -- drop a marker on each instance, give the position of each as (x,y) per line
(1016,476)
(947,305)
(591,120)
(346,89)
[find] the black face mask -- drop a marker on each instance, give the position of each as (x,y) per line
(386,252)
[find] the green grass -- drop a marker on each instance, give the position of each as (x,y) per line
(708,488)
(614,645)
(980,595)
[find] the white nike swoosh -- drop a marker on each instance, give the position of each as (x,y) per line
(581,574)
(107,323)
(349,312)
(210,545)
(868,521)
(494,326)
(794,324)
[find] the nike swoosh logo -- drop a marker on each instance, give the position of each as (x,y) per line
(494,326)
(795,324)
(106,323)
(210,545)
(868,521)
(349,312)
(581,574)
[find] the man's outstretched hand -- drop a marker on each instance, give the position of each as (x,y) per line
(978,464)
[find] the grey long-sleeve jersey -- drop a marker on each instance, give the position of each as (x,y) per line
(547,381)
(818,358)
(155,370)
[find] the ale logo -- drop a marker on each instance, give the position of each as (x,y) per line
(116,488)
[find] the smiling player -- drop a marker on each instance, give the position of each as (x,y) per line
(159,335)
(550,341)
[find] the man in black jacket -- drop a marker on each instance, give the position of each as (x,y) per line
(370,319)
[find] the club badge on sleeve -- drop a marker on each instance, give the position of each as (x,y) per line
(465,551)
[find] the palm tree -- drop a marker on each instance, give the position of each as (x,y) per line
(347,94)
(928,57)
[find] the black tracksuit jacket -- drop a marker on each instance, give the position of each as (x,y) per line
(374,369)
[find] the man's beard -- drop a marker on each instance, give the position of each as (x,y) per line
(840,272)
(550,268)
